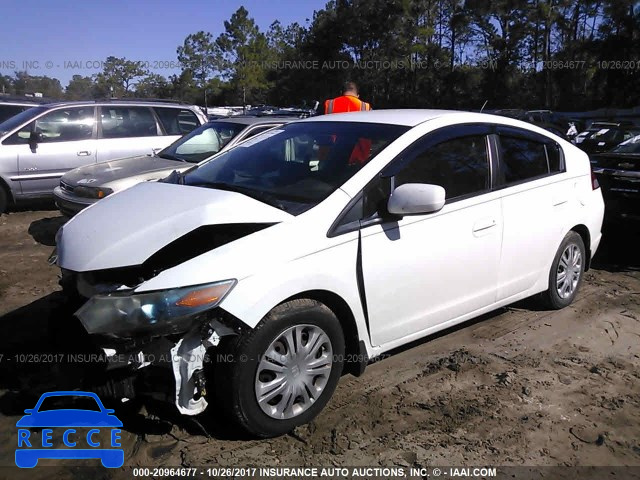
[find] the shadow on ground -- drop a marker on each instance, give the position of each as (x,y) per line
(618,251)
(44,230)
(43,348)
(33,205)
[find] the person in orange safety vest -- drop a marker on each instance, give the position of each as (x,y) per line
(348,102)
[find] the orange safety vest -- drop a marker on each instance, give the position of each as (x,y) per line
(345,103)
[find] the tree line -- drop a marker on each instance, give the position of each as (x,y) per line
(556,54)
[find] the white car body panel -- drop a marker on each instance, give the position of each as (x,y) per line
(429,286)
(123,236)
(409,293)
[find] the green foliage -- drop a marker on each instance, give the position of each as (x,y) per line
(118,76)
(245,57)
(23,83)
(153,86)
(80,88)
(402,53)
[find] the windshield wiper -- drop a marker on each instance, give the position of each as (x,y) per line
(249,192)
(168,156)
(174,177)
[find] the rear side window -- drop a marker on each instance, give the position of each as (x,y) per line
(125,122)
(460,166)
(526,157)
(522,159)
(176,121)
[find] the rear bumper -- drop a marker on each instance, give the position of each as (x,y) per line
(70,204)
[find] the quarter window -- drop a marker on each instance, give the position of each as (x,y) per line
(460,166)
(124,122)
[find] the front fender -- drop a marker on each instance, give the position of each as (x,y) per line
(332,270)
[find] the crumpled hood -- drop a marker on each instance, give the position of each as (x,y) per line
(99,174)
(126,228)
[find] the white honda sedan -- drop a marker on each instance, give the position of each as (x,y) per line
(304,252)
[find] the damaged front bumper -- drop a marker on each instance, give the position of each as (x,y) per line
(184,354)
(170,328)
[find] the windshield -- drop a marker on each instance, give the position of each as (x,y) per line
(203,142)
(296,166)
(629,146)
(20,119)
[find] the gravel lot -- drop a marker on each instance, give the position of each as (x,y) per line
(520,386)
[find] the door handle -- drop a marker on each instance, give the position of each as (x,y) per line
(84,153)
(483,225)
(557,201)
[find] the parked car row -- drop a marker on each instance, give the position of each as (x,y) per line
(84,186)
(618,172)
(39,145)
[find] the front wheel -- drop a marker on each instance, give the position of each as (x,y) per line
(282,373)
(566,272)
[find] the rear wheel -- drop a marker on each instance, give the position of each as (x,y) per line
(566,272)
(282,373)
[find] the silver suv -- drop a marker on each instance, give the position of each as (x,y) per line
(39,145)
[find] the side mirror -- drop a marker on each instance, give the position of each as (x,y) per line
(415,199)
(34,139)
(29,411)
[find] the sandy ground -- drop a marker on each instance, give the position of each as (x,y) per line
(520,386)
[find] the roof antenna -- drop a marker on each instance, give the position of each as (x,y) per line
(484,105)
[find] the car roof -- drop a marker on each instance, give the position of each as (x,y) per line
(253,120)
(118,103)
(20,103)
(407,117)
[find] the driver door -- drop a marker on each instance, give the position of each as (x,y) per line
(66,140)
(422,271)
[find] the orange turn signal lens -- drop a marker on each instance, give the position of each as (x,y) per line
(203,296)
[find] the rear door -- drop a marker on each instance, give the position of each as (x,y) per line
(66,141)
(127,131)
(536,199)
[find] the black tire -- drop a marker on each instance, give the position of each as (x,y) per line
(236,376)
(4,199)
(552,298)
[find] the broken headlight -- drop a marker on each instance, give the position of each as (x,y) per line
(160,312)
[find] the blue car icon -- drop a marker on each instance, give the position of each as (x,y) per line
(44,416)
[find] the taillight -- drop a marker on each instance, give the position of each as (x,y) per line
(594,181)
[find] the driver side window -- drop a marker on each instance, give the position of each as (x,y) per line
(460,166)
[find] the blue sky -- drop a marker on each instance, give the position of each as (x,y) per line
(62,38)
